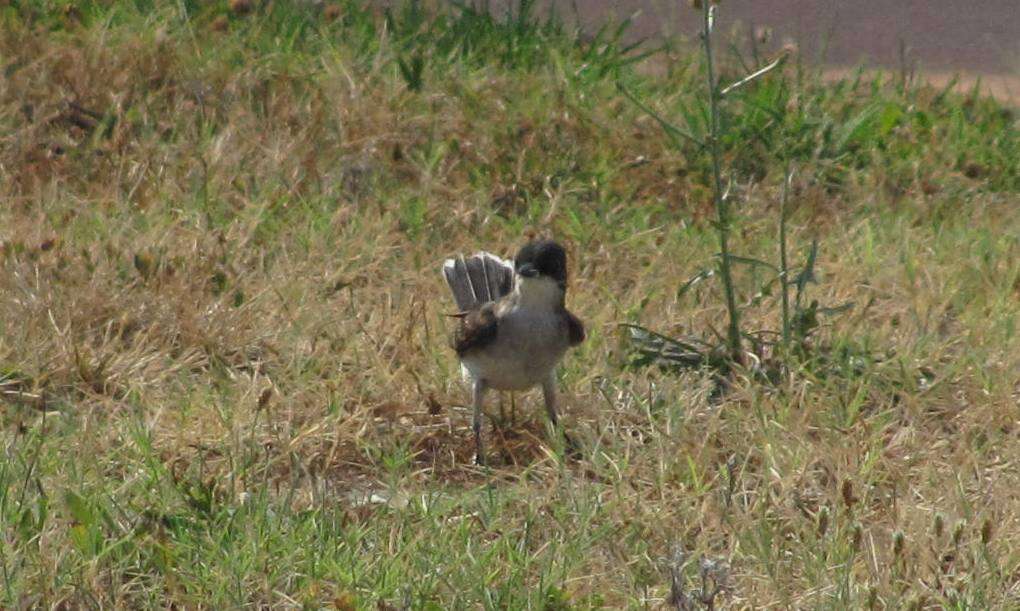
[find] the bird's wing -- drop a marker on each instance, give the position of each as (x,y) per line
(478,328)
(575,328)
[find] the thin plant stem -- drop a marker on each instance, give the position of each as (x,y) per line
(784,270)
(721,204)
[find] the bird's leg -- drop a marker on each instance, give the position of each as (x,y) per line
(549,394)
(477,396)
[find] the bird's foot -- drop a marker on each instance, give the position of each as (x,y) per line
(571,449)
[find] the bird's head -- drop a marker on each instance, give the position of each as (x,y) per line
(541,270)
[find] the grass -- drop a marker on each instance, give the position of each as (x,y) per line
(223,362)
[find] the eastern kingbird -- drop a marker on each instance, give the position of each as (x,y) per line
(514,325)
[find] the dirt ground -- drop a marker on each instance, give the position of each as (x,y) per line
(937,38)
(938,34)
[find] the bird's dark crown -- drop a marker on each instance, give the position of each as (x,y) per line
(542,258)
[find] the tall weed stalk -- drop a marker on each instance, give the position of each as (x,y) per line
(720,196)
(711,139)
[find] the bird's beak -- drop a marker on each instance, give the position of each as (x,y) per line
(528,270)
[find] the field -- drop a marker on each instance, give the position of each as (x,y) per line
(224,372)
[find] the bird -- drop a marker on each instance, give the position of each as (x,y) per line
(514,327)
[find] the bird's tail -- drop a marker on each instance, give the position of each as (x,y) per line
(478,279)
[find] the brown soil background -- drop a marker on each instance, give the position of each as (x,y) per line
(941,38)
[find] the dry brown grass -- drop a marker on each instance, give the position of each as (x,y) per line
(231,255)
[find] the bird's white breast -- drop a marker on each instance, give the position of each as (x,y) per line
(530,340)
